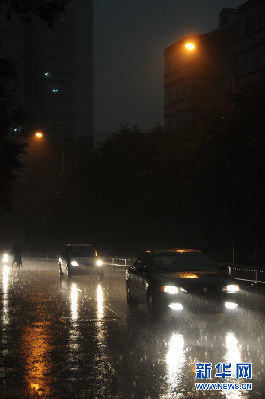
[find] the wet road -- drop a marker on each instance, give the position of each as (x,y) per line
(78,339)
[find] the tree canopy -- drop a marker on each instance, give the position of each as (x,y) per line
(201,185)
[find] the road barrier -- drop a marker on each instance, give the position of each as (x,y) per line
(39,255)
(119,261)
(254,274)
(112,261)
(249,273)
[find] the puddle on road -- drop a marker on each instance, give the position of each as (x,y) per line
(36,352)
(88,361)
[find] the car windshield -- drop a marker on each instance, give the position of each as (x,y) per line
(183,262)
(81,251)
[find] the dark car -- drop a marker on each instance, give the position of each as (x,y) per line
(78,259)
(180,279)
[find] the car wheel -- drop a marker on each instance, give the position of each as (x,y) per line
(131,301)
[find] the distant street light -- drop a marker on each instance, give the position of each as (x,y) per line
(190,46)
(39,135)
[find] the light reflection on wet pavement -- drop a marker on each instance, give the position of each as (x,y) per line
(78,339)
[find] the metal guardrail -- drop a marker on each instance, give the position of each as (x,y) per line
(250,273)
(255,274)
(119,261)
(113,261)
(40,255)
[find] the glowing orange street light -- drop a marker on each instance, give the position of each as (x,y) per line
(39,135)
(190,46)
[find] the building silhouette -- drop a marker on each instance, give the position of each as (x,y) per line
(221,64)
(54,70)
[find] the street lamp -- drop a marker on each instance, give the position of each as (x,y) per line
(39,135)
(190,46)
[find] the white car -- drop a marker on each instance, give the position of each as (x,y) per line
(79,259)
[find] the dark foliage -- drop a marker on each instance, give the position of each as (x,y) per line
(201,186)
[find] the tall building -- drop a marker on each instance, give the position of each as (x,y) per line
(55,70)
(250,50)
(219,63)
(187,79)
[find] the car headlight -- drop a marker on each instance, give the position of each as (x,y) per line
(176,306)
(231,288)
(99,262)
(231,305)
(74,263)
(5,257)
(170,289)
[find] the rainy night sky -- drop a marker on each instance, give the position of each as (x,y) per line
(129,40)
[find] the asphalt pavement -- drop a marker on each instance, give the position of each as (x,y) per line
(79,339)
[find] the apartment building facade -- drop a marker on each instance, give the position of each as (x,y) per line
(220,63)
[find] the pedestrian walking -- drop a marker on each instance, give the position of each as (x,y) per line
(16,250)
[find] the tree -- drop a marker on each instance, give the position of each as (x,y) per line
(199,186)
(136,188)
